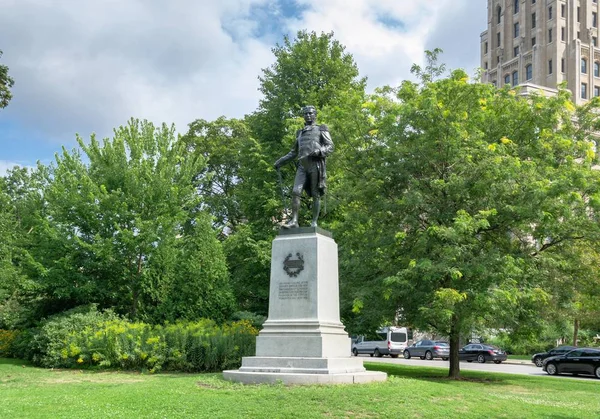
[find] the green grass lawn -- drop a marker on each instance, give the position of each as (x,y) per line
(410,392)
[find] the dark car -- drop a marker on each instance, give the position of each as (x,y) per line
(481,353)
(577,361)
(538,359)
(428,349)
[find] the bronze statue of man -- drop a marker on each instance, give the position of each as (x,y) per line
(313,144)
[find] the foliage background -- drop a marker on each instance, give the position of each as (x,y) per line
(459,208)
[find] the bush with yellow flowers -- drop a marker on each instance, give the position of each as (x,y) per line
(88,338)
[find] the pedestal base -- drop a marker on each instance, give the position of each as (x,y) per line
(297,370)
(303,340)
(306,339)
(304,379)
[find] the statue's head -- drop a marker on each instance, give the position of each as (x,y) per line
(310,114)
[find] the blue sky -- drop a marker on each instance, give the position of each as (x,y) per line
(87,67)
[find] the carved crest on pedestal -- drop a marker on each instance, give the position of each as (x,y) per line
(293,266)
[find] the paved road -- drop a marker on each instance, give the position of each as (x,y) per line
(510,367)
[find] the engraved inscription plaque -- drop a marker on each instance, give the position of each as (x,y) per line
(293,290)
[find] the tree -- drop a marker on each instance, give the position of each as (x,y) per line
(127,231)
(574,287)
(239,182)
(10,276)
(238,188)
(21,206)
(465,192)
(309,70)
(221,144)
(6,82)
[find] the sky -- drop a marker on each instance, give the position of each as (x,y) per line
(83,67)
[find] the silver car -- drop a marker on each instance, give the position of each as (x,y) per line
(428,349)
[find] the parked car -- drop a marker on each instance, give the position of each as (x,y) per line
(481,353)
(538,359)
(428,349)
(577,361)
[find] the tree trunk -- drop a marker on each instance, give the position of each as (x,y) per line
(135,287)
(134,299)
(454,344)
(575,331)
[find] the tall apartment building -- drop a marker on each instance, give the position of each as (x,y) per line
(542,43)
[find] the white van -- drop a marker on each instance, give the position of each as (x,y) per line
(391,341)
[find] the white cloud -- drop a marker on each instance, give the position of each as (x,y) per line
(382,51)
(87,66)
(5,166)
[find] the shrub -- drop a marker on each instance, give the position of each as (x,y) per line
(7,339)
(256,320)
(54,344)
(588,337)
(22,344)
(103,340)
(521,347)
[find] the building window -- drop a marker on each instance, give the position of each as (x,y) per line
(550,13)
(485,65)
(562,33)
(594,19)
(499,12)
(583,91)
(533,20)
(498,59)
(595,41)
(584,66)
(549,35)
(562,65)
(495,83)
(485,47)
(516,3)
(578,14)
(578,35)
(498,39)
(596,91)
(516,29)
(516,51)
(532,1)
(515,78)
(533,42)
(528,72)
(596,69)
(562,10)
(507,79)
(549,66)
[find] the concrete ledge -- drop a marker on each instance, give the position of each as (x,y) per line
(323,346)
(305,230)
(303,379)
(297,365)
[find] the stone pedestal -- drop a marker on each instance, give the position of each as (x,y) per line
(303,340)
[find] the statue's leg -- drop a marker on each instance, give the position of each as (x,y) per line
(293,223)
(298,185)
(316,197)
(316,209)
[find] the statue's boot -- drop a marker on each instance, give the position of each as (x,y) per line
(316,209)
(293,223)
